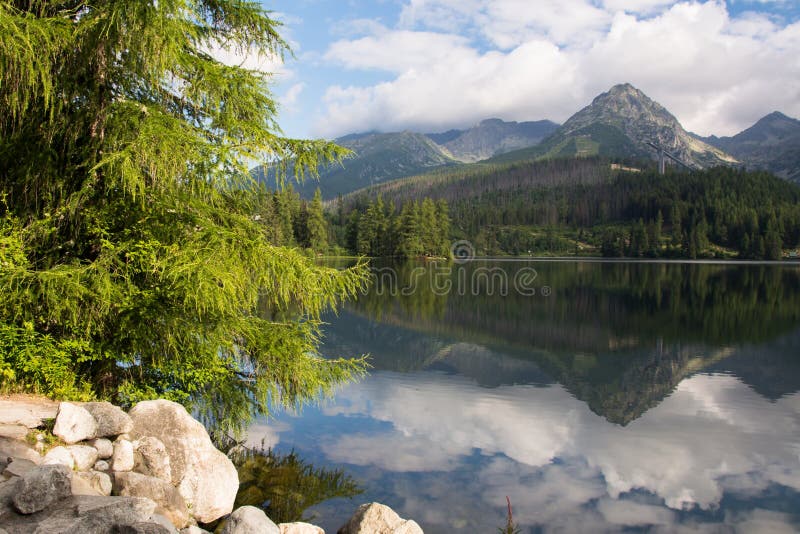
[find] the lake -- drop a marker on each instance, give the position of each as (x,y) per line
(597,396)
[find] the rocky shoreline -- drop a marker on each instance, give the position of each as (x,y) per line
(153,470)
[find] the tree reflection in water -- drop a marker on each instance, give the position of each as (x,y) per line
(284,485)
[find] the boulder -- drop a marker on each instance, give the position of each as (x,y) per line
(17,467)
(122,459)
(105,449)
(111,420)
(91,483)
(143,528)
(164,522)
(39,488)
(194,530)
(168,499)
(84,456)
(27,411)
(14,448)
(376,518)
(82,515)
(300,528)
(74,423)
(205,477)
(249,520)
(59,456)
(13,431)
(150,457)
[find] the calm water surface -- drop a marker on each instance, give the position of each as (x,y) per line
(597,396)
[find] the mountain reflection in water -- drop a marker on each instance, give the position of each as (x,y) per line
(634,396)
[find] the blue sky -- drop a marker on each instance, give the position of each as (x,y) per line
(431,65)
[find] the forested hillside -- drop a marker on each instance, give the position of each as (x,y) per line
(591,206)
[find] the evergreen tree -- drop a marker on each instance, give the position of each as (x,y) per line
(134,265)
(410,240)
(443,224)
(316,227)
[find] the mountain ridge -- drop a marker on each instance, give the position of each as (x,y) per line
(619,123)
(772,143)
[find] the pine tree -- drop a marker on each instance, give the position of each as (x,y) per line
(316,227)
(410,242)
(134,265)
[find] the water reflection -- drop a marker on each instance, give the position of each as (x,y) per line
(612,404)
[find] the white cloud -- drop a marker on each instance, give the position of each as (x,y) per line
(713,434)
(248,59)
(289,99)
(452,62)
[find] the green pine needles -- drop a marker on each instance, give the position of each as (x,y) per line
(132,261)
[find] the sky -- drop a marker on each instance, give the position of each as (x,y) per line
(433,65)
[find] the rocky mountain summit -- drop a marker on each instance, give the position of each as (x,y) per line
(772,143)
(153,470)
(622,122)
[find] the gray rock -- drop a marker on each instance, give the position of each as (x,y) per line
(80,515)
(111,420)
(163,521)
(143,528)
(91,483)
(28,411)
(150,457)
(168,499)
(376,518)
(206,478)
(59,456)
(105,449)
(249,520)
(40,487)
(84,456)
(300,528)
(101,465)
(17,467)
(13,431)
(97,514)
(194,530)
(74,423)
(122,459)
(13,448)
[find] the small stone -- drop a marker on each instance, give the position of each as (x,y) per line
(122,459)
(91,483)
(105,449)
(101,465)
(300,528)
(84,456)
(111,420)
(194,530)
(59,456)
(74,423)
(18,467)
(249,520)
(150,457)
(41,487)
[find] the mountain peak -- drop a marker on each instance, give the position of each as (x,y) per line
(623,121)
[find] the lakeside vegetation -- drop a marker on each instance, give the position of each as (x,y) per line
(135,262)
